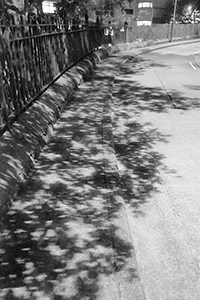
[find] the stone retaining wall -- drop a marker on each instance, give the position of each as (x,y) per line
(22,143)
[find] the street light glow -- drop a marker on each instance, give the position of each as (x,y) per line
(189,8)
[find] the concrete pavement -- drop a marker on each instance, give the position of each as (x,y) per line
(67,235)
(20,145)
(157,149)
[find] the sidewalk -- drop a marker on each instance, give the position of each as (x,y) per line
(66,235)
(20,145)
(17,150)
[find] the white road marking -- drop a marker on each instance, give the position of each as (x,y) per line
(196,62)
(191,64)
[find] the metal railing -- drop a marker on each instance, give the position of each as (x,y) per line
(32,56)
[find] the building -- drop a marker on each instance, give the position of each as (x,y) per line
(159,10)
(146,12)
(48,6)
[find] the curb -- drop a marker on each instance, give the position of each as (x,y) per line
(164,43)
(22,144)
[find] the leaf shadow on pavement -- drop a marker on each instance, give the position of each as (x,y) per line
(134,139)
(61,239)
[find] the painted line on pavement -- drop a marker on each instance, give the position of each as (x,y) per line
(164,88)
(195,59)
(191,64)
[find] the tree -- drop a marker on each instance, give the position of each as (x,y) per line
(184,4)
(17,6)
(68,9)
(182,8)
(108,6)
(104,8)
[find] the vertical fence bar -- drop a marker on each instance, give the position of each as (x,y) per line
(32,56)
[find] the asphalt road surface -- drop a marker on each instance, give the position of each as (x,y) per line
(111,209)
(164,88)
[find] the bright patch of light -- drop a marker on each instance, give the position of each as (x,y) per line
(48,7)
(145,4)
(144,23)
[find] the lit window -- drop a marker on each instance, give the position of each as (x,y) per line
(145,4)
(48,7)
(144,23)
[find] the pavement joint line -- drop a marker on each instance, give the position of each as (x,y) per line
(112,177)
(168,94)
(44,139)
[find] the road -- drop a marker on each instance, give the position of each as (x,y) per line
(163,145)
(111,209)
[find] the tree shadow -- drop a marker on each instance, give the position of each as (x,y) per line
(134,141)
(60,239)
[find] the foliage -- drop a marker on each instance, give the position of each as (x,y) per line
(182,6)
(69,8)
(11,5)
(103,8)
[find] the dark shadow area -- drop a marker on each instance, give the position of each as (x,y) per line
(24,140)
(138,162)
(138,65)
(60,240)
(149,98)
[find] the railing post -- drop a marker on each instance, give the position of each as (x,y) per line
(126,31)
(173,21)
(34,59)
(3,104)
